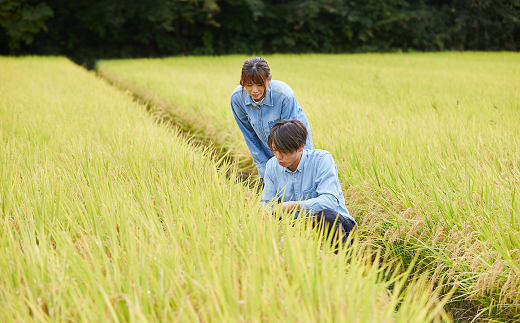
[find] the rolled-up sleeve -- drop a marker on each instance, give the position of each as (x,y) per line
(327,187)
(260,156)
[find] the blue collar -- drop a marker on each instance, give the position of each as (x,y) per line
(268,100)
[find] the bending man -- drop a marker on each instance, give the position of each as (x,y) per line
(305,180)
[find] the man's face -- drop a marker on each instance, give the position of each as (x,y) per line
(289,160)
(256,91)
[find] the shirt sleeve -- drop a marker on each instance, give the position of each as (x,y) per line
(291,109)
(328,188)
(270,187)
(260,157)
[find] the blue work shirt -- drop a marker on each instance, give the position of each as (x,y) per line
(314,183)
(256,123)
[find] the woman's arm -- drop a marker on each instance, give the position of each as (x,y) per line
(291,109)
(254,144)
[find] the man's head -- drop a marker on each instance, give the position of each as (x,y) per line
(287,140)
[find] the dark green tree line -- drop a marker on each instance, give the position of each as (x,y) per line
(91,29)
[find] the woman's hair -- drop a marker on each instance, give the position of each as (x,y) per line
(255,70)
(288,135)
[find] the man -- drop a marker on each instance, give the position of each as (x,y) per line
(305,180)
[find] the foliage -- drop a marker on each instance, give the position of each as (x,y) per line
(86,29)
(22,20)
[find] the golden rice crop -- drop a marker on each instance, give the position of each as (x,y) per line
(426,146)
(107,215)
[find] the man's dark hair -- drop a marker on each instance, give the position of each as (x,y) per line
(287,135)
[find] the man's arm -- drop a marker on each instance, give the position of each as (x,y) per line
(289,206)
(271,190)
(254,144)
(327,187)
(269,193)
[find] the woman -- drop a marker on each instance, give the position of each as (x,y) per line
(258,103)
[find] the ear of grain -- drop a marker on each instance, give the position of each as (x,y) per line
(107,215)
(426,147)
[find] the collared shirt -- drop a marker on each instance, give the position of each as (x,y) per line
(314,183)
(256,123)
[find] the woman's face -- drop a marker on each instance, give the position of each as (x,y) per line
(256,91)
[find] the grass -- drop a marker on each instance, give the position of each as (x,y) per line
(426,147)
(109,215)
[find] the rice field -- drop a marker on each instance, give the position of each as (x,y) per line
(109,215)
(427,147)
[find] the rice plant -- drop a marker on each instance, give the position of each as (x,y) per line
(426,146)
(109,215)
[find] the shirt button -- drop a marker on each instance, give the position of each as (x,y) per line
(260,120)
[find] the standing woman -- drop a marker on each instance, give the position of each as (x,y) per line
(258,103)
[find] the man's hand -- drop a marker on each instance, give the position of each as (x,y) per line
(289,206)
(286,207)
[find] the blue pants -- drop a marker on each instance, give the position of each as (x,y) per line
(331,222)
